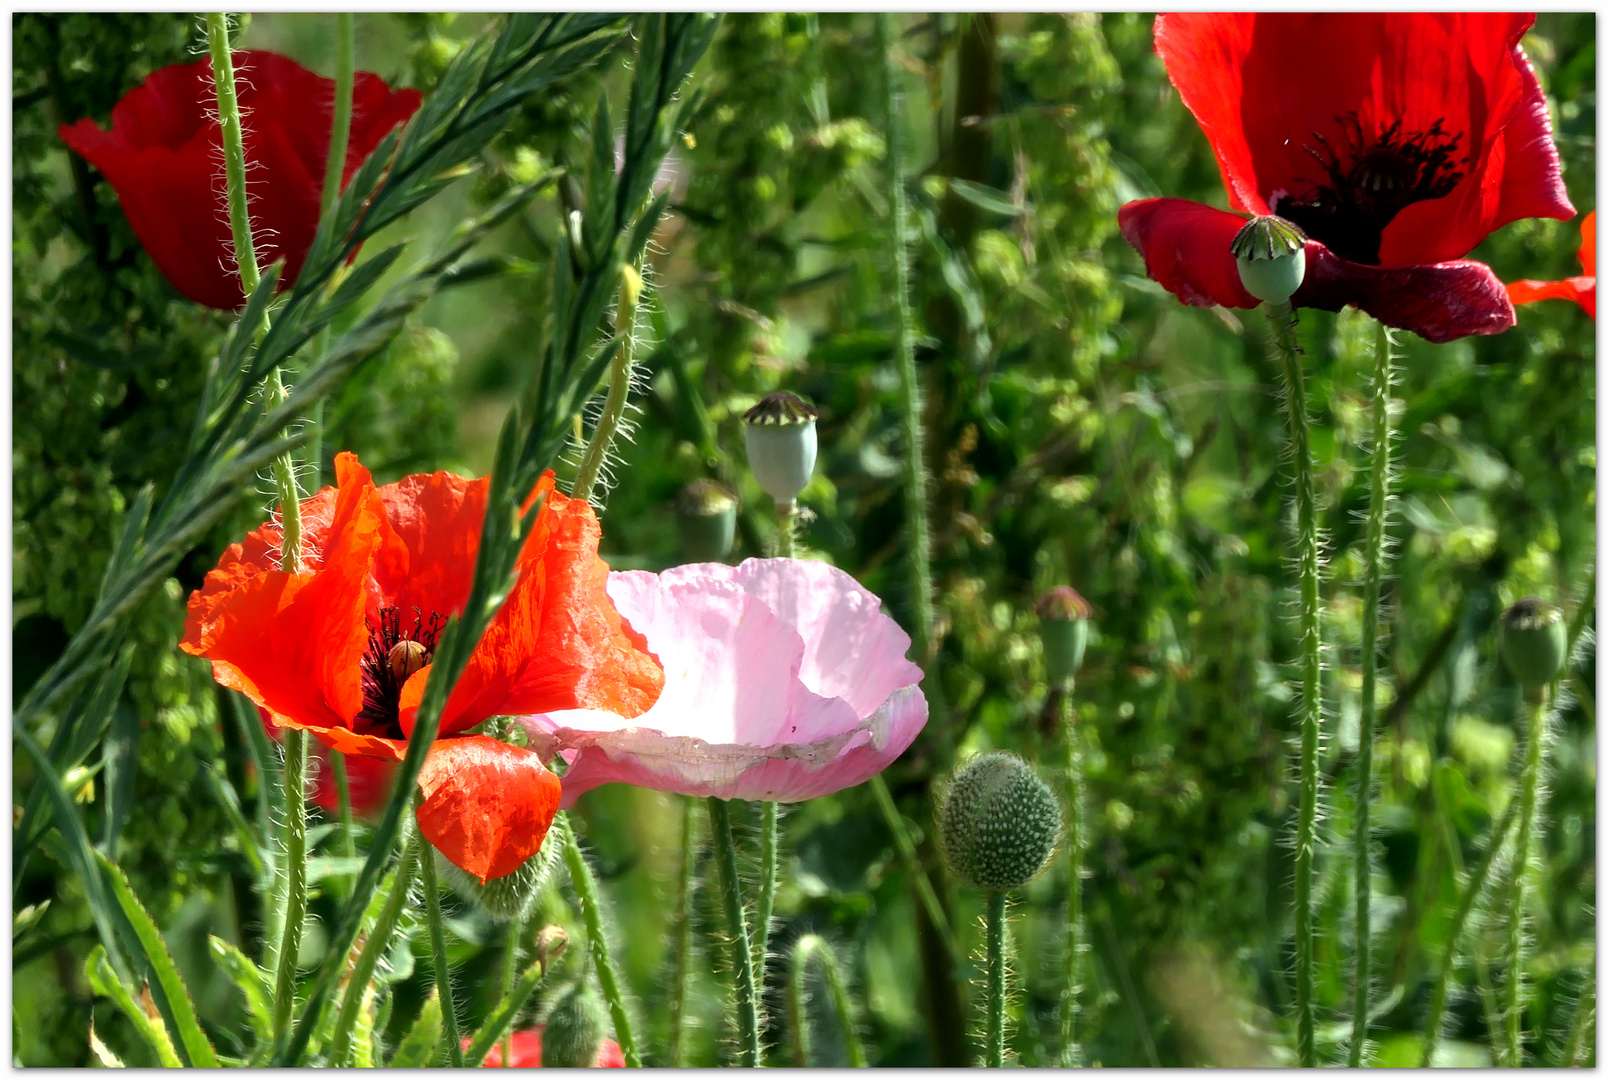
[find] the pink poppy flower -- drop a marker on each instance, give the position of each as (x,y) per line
(783,682)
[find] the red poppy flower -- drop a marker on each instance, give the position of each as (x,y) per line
(1396,141)
(368,779)
(525,1052)
(343,649)
(1582,290)
(164,157)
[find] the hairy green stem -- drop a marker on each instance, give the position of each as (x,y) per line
(767,890)
(1284,319)
(813,946)
(742,959)
(608,422)
(1076,842)
(510,972)
(786,529)
(683,924)
(907,854)
(1378,514)
(374,947)
(1473,889)
(1585,1017)
(1535,741)
(438,957)
(295,876)
(343,798)
(996,981)
(597,943)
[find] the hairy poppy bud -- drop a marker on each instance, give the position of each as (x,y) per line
(575,1027)
(1534,643)
(706,520)
(780,434)
(997,822)
(551,941)
(1064,631)
(406,658)
(508,897)
(1271,254)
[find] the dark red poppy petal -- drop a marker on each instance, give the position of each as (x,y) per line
(1439,302)
(1532,181)
(1186,249)
(487,805)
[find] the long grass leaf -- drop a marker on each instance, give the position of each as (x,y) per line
(248,977)
(104,981)
(419,1045)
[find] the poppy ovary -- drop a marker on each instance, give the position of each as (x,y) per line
(1270,253)
(395,653)
(1369,180)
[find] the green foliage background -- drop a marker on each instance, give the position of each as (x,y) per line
(1083,428)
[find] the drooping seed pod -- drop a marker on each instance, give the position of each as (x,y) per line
(1064,632)
(997,822)
(706,520)
(509,897)
(1534,643)
(576,1022)
(1271,254)
(780,436)
(551,941)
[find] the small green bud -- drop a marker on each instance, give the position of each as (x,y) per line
(997,822)
(575,1025)
(1534,644)
(706,520)
(1271,254)
(507,897)
(1064,631)
(780,435)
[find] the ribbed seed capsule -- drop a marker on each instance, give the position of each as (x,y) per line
(1271,255)
(997,822)
(1534,643)
(706,520)
(780,436)
(1064,632)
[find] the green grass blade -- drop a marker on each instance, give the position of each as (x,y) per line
(418,1046)
(191,1037)
(248,977)
(104,981)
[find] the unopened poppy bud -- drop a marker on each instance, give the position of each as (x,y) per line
(509,897)
(706,520)
(997,822)
(551,941)
(575,1026)
(1534,644)
(1271,254)
(1064,631)
(780,434)
(406,658)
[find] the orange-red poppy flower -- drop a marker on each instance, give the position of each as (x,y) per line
(1582,289)
(343,648)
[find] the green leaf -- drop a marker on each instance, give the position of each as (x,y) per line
(104,981)
(119,756)
(418,1046)
(985,198)
(248,977)
(194,1041)
(503,1016)
(107,1059)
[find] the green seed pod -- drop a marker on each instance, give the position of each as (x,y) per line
(1534,644)
(1271,254)
(997,822)
(780,435)
(1064,631)
(706,520)
(576,1022)
(507,897)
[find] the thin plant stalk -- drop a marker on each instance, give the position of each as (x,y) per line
(742,959)
(1283,318)
(438,957)
(683,924)
(620,367)
(907,854)
(1378,514)
(809,947)
(995,1049)
(767,890)
(597,943)
(1535,741)
(295,877)
(1076,841)
(510,974)
(1584,1019)
(378,941)
(343,798)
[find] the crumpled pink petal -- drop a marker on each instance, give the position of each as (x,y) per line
(783,681)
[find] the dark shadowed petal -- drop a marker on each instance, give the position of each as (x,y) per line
(1185,245)
(1438,302)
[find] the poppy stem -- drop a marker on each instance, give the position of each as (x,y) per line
(742,958)
(343,798)
(1379,499)
(439,959)
(1077,839)
(1284,320)
(340,130)
(907,853)
(295,774)
(510,973)
(683,924)
(767,890)
(809,947)
(597,942)
(374,946)
(787,529)
(996,980)
(620,370)
(1535,742)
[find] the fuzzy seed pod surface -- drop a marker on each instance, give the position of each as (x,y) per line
(998,822)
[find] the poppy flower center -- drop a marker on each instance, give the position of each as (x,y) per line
(395,652)
(1369,180)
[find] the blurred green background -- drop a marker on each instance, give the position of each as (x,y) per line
(1082,427)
